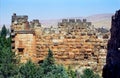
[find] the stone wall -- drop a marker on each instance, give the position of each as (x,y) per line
(75,42)
(25,46)
(73,50)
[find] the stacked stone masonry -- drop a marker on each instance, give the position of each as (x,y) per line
(74,42)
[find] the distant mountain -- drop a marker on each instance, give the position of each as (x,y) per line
(49,23)
(98,20)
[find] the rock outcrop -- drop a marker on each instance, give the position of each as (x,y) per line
(112,67)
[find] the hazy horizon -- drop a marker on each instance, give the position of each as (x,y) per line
(55,9)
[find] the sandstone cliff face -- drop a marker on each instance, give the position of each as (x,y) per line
(112,67)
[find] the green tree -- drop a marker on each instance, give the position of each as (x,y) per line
(88,73)
(52,70)
(8,60)
(50,59)
(57,72)
(71,73)
(3,31)
(0,33)
(49,63)
(30,70)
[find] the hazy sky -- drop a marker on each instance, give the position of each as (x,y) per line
(53,9)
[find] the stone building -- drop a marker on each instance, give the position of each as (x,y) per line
(74,42)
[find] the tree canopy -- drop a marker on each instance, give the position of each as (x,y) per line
(4,31)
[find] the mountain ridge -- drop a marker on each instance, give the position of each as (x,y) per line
(98,20)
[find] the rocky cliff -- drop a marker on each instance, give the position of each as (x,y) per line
(112,67)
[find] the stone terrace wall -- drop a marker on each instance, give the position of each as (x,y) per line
(74,42)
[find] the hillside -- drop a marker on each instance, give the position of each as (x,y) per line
(101,20)
(98,20)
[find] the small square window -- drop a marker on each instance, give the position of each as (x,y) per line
(20,50)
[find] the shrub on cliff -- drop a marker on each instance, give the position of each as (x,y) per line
(71,73)
(88,73)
